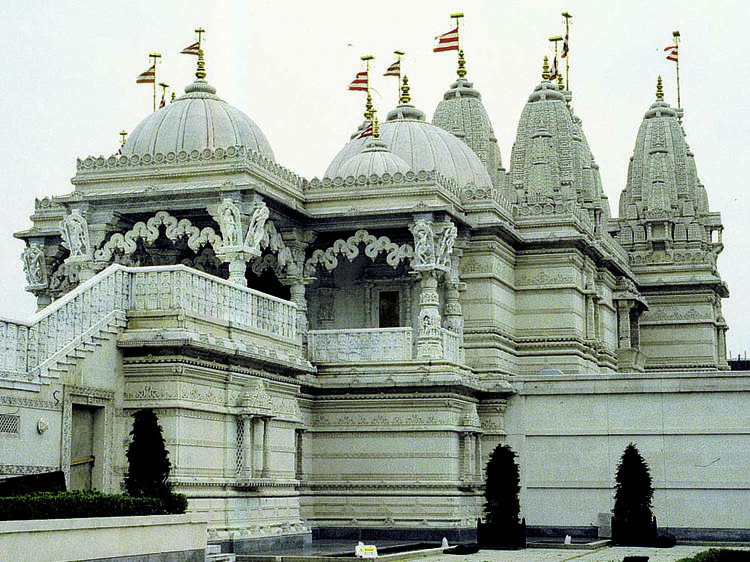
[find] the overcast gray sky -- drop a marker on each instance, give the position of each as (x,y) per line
(69,71)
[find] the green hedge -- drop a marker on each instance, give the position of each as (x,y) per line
(66,505)
(719,555)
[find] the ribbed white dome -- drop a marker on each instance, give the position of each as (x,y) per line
(421,146)
(374,159)
(196,121)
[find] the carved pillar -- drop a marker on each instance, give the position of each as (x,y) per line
(429,342)
(454,317)
(237,267)
(297,241)
(433,248)
(299,472)
(721,327)
(478,456)
(258,446)
(245,441)
(266,453)
(623,323)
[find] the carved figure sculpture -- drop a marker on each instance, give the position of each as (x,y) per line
(445,244)
(255,231)
(75,234)
(229,221)
(424,244)
(34,266)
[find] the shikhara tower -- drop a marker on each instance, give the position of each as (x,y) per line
(340,354)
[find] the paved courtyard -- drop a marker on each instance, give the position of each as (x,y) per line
(605,554)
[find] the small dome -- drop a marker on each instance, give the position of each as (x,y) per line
(421,146)
(196,121)
(374,159)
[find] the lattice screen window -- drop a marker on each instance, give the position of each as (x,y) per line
(10,423)
(240,449)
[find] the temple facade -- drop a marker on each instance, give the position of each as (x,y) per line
(339,355)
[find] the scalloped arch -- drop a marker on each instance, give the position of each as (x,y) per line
(149,232)
(350,248)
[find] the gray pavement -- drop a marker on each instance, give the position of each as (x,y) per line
(605,554)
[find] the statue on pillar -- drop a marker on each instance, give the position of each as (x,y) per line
(75,235)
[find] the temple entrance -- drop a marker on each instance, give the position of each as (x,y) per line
(85,422)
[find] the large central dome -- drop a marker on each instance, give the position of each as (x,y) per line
(196,121)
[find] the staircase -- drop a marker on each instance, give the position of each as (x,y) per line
(59,336)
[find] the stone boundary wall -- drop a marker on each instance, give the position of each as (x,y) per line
(691,428)
(172,537)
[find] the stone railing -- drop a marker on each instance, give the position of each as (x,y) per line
(451,345)
(25,346)
(373,344)
(13,338)
(180,288)
(360,345)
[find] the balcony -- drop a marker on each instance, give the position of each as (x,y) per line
(368,345)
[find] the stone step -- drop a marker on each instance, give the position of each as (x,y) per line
(213,549)
(225,557)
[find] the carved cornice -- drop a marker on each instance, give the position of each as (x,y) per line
(232,155)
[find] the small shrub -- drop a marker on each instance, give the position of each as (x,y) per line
(633,522)
(67,505)
(719,555)
(502,487)
(148,458)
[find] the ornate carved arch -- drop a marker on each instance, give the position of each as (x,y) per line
(149,232)
(350,248)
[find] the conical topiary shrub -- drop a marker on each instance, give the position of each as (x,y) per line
(503,528)
(148,458)
(632,522)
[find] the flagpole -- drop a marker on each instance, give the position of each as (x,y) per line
(368,104)
(676,35)
(398,54)
(461,71)
(567,17)
(155,57)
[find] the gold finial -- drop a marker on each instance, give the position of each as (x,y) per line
(172,98)
(659,91)
(461,64)
(545,68)
(405,98)
(123,137)
(200,72)
(369,110)
(375,127)
(560,85)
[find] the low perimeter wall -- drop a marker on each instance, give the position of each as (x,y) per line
(175,537)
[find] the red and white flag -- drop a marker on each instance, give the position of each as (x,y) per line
(359,84)
(147,77)
(367,132)
(671,52)
(394,70)
(565,47)
(553,69)
(191,49)
(447,41)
